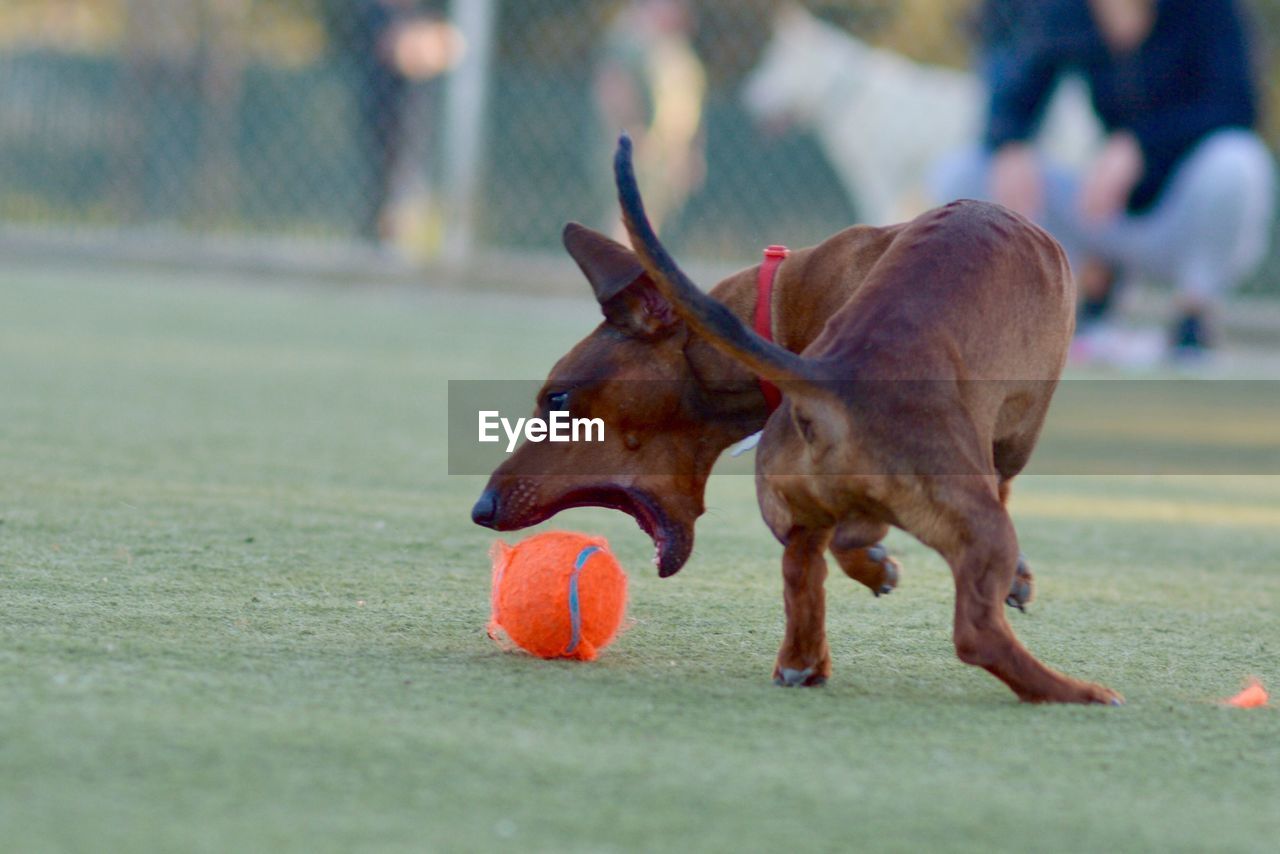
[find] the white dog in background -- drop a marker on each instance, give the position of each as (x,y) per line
(883,120)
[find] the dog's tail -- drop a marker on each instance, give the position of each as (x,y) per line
(706,316)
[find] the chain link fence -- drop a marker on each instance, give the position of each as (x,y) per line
(455,131)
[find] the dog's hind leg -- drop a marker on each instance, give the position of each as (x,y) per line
(968,525)
(857,548)
(1023,588)
(804,659)
(1010,456)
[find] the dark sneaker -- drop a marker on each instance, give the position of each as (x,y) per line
(1097,282)
(1190,337)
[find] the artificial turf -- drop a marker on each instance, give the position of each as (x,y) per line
(244,610)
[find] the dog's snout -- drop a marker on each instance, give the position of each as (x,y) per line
(485,511)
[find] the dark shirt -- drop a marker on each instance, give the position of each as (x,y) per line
(1190,77)
(357,29)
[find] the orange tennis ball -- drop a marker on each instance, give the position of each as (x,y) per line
(557,595)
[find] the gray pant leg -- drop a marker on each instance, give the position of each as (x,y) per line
(1212,226)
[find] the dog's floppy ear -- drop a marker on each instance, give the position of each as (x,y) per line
(627,296)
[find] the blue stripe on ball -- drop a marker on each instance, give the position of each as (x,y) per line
(575,615)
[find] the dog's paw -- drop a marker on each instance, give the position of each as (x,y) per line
(890,570)
(870,566)
(789,677)
(1108,697)
(1022,591)
(1077,691)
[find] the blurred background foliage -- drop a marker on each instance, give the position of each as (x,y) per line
(236,120)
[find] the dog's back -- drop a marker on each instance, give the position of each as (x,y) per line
(957,272)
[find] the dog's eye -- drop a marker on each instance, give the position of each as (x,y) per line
(559,400)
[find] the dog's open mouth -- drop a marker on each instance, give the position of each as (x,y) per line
(672,540)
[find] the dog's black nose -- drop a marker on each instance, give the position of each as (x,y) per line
(485,511)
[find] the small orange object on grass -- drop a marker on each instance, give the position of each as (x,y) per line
(1253,696)
(557,594)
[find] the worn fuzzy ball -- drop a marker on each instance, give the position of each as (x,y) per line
(557,594)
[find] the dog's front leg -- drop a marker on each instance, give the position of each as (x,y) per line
(804,659)
(857,548)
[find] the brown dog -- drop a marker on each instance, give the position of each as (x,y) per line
(915,405)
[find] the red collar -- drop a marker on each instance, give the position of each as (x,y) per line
(773,257)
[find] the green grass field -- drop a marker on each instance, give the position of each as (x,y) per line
(244,609)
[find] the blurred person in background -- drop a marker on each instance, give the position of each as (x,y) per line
(1182,188)
(651,83)
(390,44)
